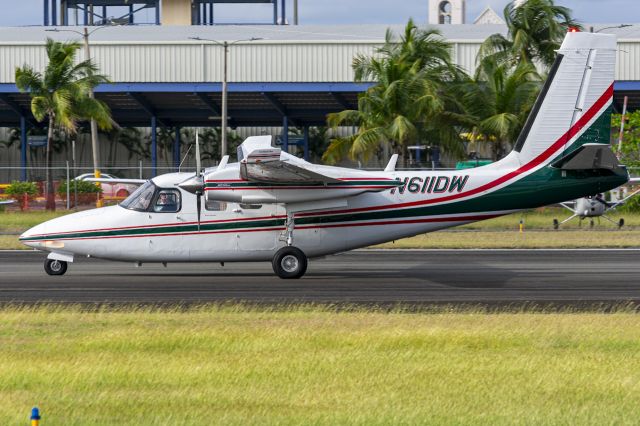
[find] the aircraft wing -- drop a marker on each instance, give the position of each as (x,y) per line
(265,164)
(268,175)
(7,202)
(280,172)
(107,180)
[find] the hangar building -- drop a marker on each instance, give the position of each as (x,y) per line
(279,75)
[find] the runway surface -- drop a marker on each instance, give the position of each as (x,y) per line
(562,277)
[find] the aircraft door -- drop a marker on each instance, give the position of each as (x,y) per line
(162,215)
(254,225)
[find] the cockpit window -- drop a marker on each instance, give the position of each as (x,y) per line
(167,201)
(141,198)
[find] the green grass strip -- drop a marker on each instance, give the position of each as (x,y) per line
(234,365)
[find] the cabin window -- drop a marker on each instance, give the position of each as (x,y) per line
(215,206)
(141,198)
(167,201)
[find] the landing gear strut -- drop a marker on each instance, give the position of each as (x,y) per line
(55,267)
(290,224)
(289,261)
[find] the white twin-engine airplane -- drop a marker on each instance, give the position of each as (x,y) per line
(272,206)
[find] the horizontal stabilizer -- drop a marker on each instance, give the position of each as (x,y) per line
(589,157)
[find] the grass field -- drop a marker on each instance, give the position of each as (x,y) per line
(232,365)
(513,239)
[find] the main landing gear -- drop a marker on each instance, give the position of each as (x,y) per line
(55,267)
(289,261)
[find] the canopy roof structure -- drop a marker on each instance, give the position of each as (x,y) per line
(199,104)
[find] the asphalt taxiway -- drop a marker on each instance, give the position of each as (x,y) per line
(563,277)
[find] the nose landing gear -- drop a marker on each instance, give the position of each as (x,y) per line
(55,267)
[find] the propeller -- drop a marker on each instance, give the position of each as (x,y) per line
(195,185)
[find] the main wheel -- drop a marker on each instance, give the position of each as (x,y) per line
(621,223)
(556,224)
(55,267)
(289,262)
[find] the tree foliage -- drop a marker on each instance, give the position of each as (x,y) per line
(498,100)
(630,147)
(410,101)
(535,30)
(61,94)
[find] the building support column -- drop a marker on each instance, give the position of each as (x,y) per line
(285,133)
(23,148)
(176,149)
(157,12)
(305,141)
(275,12)
(154,147)
(46,13)
(284,13)
(54,13)
(210,13)
(130,14)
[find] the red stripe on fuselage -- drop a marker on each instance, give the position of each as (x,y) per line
(574,130)
(335,225)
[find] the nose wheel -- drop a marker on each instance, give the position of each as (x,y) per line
(55,267)
(289,263)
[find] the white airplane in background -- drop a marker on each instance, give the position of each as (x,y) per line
(5,202)
(595,206)
(272,206)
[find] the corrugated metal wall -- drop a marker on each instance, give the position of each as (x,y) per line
(628,60)
(194,62)
(256,62)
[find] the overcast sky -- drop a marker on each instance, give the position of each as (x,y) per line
(326,12)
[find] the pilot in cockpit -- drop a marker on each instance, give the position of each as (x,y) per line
(166,202)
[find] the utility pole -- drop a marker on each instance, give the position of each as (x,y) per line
(223,148)
(225,53)
(94,125)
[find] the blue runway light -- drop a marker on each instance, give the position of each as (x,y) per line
(35,416)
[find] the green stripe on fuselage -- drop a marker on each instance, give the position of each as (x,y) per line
(542,187)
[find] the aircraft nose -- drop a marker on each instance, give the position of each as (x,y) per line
(30,237)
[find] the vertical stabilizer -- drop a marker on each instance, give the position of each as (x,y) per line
(574,106)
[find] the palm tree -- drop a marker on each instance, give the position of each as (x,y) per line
(535,30)
(409,102)
(498,100)
(61,96)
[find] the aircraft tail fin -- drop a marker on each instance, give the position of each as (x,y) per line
(574,106)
